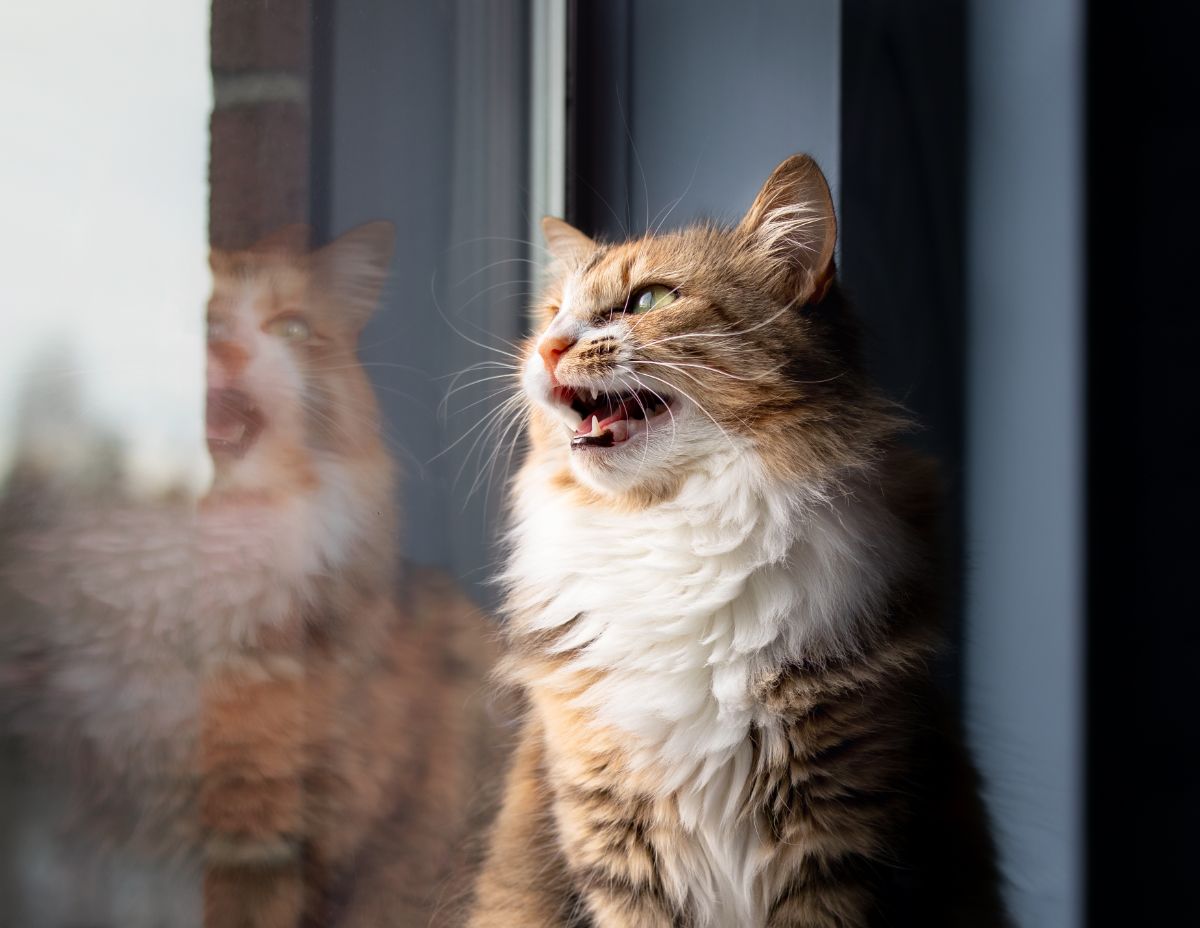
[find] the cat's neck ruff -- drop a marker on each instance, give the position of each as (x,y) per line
(676,609)
(671,613)
(200,581)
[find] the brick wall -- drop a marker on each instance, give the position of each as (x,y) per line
(259,133)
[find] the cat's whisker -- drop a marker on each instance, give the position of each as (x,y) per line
(645,417)
(637,160)
(684,373)
(444,405)
(516,439)
(517,433)
(528,243)
(302,397)
(392,441)
(521,295)
(677,389)
(712,370)
(456,377)
(480,365)
(482,421)
(734,334)
(487,267)
(625,232)
(499,442)
(514,355)
(659,223)
(497,427)
(494,420)
(658,396)
(314,408)
(478,402)
(475,383)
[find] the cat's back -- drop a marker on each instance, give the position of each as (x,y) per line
(429,721)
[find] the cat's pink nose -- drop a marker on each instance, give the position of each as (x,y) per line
(551,349)
(226,361)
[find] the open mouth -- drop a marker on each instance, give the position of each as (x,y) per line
(233,422)
(609,419)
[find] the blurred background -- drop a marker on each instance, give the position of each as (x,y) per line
(1010,179)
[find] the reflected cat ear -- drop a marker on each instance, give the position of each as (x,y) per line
(565,242)
(792,224)
(353,267)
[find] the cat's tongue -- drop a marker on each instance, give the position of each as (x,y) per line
(602,430)
(232,421)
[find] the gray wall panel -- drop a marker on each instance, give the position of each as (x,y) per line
(1024,638)
(718,94)
(429,129)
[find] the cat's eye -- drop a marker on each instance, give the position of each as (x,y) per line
(656,296)
(290,327)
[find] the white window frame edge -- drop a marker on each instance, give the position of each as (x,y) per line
(548,120)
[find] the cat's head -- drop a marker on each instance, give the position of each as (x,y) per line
(657,354)
(285,388)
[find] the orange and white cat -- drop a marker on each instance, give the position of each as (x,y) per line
(722,604)
(257,721)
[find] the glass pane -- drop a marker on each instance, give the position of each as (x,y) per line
(267,264)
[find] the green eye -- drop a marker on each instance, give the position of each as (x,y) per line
(656,296)
(290,327)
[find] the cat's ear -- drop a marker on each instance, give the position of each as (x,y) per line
(791,223)
(353,267)
(566,243)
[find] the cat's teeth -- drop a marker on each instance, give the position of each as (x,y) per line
(595,393)
(596,432)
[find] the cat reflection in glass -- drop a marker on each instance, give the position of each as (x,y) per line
(234,711)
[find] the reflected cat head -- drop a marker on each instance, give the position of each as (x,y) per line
(285,389)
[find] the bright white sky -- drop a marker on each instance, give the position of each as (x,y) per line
(103,219)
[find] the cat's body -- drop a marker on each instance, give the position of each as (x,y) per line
(722,605)
(239,696)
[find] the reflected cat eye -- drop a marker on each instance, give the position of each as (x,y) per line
(290,327)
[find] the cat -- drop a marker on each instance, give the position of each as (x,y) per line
(722,603)
(267,717)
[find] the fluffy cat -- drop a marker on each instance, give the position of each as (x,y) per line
(247,710)
(722,604)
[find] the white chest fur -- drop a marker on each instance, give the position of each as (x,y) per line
(126,607)
(681,607)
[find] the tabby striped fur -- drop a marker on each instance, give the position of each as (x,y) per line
(723,632)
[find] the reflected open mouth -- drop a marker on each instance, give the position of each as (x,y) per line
(609,419)
(233,422)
